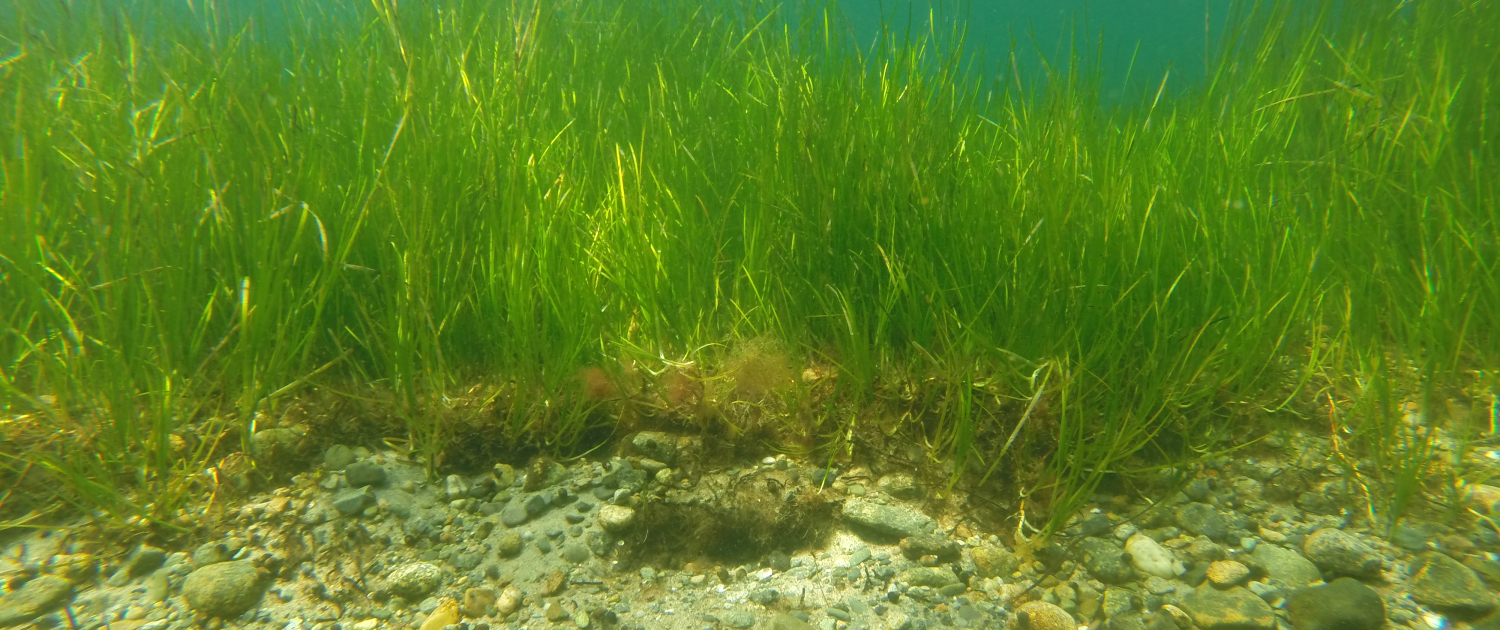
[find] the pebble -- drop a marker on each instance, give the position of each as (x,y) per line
(446,613)
(415,580)
(1040,615)
(359,474)
(1151,558)
(338,456)
(1447,586)
(885,520)
(1232,609)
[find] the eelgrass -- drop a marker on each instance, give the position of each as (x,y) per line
(206,211)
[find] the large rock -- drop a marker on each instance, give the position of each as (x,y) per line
(1341,553)
(33,599)
(360,474)
(1344,604)
(885,520)
(1449,587)
(415,580)
(1105,561)
(1233,609)
(1285,565)
(1151,558)
(225,590)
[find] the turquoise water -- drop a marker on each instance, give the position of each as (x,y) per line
(1154,35)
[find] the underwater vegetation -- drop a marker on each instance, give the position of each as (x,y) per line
(525,227)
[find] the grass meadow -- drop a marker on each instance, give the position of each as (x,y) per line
(561,221)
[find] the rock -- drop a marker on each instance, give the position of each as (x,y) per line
(415,580)
(738,619)
(914,547)
(1202,519)
(446,614)
(779,561)
(1201,549)
(1345,604)
(510,600)
(1040,615)
(1233,609)
(765,597)
(277,445)
(224,590)
(1415,535)
(76,568)
(1105,561)
(338,456)
(1285,565)
(575,553)
(1095,525)
(210,553)
(143,560)
(785,621)
(1151,558)
(1338,552)
(935,577)
(656,445)
(1447,586)
(505,476)
(514,514)
(994,561)
(35,598)
(354,501)
(535,505)
(454,487)
(1227,573)
(901,486)
(360,474)
(1134,620)
(616,518)
(885,520)
(1117,601)
(477,601)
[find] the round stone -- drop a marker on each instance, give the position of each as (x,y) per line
(224,589)
(415,580)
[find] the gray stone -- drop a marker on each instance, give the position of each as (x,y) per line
(35,598)
(1202,519)
(143,560)
(224,590)
(885,520)
(1341,553)
(575,553)
(338,456)
(1232,609)
(935,577)
(535,505)
(1117,601)
(656,445)
(1416,535)
(1344,604)
(414,581)
(1447,586)
(454,487)
(514,514)
(1284,565)
(354,501)
(364,474)
(1134,620)
(738,619)
(765,597)
(901,486)
(1105,561)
